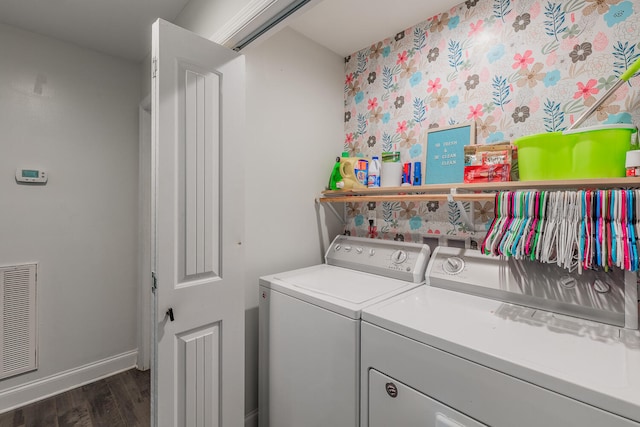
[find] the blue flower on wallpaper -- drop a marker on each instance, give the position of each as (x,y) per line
(359,97)
(495,53)
(618,118)
(551,78)
(618,13)
(453,101)
(359,220)
(416,78)
(453,22)
(495,137)
(415,223)
(415,150)
(386,51)
(386,117)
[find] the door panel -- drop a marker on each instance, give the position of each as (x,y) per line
(200,169)
(197,113)
(198,382)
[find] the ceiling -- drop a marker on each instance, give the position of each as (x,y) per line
(346,26)
(116,27)
(123,27)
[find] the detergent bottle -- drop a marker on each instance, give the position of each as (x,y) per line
(353,171)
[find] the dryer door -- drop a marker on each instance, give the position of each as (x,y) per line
(392,403)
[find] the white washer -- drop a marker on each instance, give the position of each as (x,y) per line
(456,354)
(309,333)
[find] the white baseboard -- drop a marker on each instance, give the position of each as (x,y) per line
(251,419)
(33,391)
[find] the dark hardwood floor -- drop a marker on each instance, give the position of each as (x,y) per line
(120,400)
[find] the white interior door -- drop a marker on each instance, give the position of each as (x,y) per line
(197,125)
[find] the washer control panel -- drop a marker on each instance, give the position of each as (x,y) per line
(398,260)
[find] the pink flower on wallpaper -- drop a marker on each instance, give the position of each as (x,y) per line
(622,92)
(434,85)
(485,75)
(349,79)
(600,42)
(476,28)
(534,104)
(534,10)
(475,112)
(552,58)
(522,60)
(587,90)
(568,43)
(372,104)
(402,126)
(402,57)
(349,138)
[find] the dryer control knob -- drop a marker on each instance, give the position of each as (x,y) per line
(359,250)
(453,265)
(399,256)
(601,287)
(372,252)
(347,248)
(568,282)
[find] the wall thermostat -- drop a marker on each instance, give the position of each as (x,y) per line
(31,176)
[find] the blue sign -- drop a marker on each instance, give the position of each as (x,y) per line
(445,153)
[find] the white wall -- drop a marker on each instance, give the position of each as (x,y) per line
(205,17)
(72,112)
(295,131)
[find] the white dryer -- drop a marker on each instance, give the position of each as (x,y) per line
(309,332)
(460,352)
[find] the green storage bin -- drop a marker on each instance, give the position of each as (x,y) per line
(594,152)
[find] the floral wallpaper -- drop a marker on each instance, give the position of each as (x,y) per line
(514,67)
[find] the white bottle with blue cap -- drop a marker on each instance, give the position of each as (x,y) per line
(374,173)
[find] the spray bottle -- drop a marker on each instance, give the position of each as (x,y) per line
(335,180)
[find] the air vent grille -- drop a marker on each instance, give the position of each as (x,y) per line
(18,319)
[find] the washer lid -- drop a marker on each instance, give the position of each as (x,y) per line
(341,283)
(341,290)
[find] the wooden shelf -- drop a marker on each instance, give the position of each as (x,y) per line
(466,192)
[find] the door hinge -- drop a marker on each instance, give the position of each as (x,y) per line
(154,67)
(154,282)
